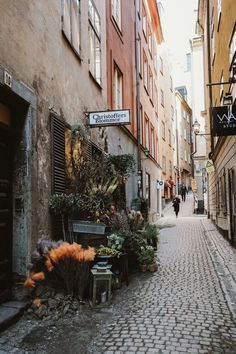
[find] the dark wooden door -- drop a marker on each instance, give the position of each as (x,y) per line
(6,157)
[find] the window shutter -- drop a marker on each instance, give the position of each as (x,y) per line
(58,167)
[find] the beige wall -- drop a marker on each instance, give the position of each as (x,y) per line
(37,55)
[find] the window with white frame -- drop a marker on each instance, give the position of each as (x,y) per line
(152,142)
(95,43)
(185,134)
(156,100)
(141,122)
(169,137)
(172,113)
(139,54)
(144,21)
(150,84)
(116,11)
(232,47)
(162,98)
(221,86)
(146,133)
(161,66)
(185,156)
(145,71)
(218,9)
(171,83)
(163,164)
(71,22)
(163,130)
(149,40)
(117,88)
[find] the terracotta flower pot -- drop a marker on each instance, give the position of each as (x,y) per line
(143,267)
(152,267)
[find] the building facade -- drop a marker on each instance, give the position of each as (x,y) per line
(216,23)
(50,76)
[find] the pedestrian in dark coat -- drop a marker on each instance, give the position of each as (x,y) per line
(176,202)
(183,192)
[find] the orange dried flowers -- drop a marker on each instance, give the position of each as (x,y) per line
(38,276)
(29,283)
(37,302)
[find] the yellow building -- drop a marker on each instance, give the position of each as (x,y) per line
(217,24)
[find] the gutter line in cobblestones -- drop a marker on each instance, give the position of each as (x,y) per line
(226,278)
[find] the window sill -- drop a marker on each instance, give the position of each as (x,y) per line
(95,81)
(77,54)
(117,28)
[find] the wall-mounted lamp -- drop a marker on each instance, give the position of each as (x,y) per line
(227,99)
(196,127)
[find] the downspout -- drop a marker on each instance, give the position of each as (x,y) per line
(137,64)
(209,71)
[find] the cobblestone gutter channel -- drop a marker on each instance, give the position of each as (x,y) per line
(224,259)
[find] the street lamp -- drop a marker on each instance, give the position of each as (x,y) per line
(196,127)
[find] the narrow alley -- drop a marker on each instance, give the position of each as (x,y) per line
(187,306)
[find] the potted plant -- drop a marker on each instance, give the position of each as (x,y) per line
(146,257)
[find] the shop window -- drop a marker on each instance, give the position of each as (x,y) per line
(71,23)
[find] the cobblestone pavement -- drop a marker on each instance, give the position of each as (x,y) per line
(187,306)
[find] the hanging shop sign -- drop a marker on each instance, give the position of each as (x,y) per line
(224,120)
(160,184)
(194,185)
(106,118)
(210,166)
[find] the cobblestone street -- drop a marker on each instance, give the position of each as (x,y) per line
(187,306)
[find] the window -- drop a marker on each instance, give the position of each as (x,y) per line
(221,87)
(171,84)
(152,144)
(163,130)
(213,45)
(163,164)
(118,88)
(150,84)
(169,137)
(185,156)
(144,22)
(141,123)
(172,113)
(162,98)
(146,133)
(116,11)
(95,43)
(218,10)
(170,168)
(188,64)
(139,55)
(71,22)
(149,40)
(161,66)
(185,134)
(145,71)
(147,188)
(155,60)
(232,48)
(156,100)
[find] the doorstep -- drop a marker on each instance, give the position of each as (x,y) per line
(10,312)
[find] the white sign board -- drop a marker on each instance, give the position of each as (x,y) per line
(118,117)
(160,184)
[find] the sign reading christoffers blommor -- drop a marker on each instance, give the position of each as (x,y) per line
(118,117)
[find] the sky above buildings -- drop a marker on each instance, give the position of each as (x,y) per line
(178,22)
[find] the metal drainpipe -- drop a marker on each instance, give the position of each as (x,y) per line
(209,70)
(137,64)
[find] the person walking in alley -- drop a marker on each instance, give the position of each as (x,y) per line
(183,192)
(176,202)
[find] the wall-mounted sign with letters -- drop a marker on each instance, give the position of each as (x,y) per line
(224,120)
(118,117)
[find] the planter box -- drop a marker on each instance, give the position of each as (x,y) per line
(84,227)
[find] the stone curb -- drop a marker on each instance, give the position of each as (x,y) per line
(10,312)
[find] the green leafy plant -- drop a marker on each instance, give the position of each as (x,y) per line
(151,232)
(115,241)
(107,251)
(146,255)
(123,164)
